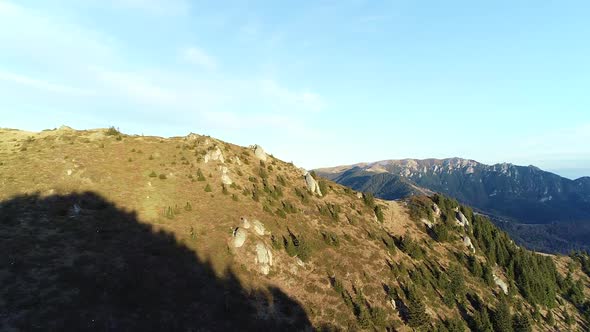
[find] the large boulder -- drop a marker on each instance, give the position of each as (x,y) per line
(500,283)
(225,179)
(239,237)
(259,152)
(461,220)
(259,227)
(312,184)
(245,222)
(213,155)
(436,209)
(263,257)
(192,137)
(467,242)
(427,222)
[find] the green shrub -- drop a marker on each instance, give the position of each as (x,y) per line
(369,200)
(267,209)
(323,186)
(331,239)
(153,174)
(379,213)
(112,131)
(162,176)
(281,180)
(255,195)
(279,212)
(410,247)
(200,176)
(208,188)
(188,207)
(169,213)
(297,246)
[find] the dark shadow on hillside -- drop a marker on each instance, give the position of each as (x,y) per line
(101,269)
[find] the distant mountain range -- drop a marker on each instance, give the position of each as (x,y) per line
(544,203)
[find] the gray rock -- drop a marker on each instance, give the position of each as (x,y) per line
(239,237)
(259,152)
(467,242)
(65,128)
(225,179)
(312,184)
(436,210)
(500,283)
(263,258)
(192,137)
(461,220)
(213,155)
(259,227)
(245,222)
(427,222)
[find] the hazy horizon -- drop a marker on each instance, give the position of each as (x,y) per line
(320,84)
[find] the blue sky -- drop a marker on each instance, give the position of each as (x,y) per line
(319,83)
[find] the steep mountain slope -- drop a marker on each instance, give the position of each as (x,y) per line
(105,231)
(526,195)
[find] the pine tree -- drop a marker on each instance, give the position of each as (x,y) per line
(521,323)
(417,315)
(482,321)
(549,318)
(457,285)
(208,188)
(502,317)
(569,319)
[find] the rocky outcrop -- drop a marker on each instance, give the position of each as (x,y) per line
(192,137)
(213,155)
(225,179)
(427,222)
(259,227)
(312,185)
(436,210)
(259,152)
(65,128)
(263,257)
(461,220)
(500,283)
(245,222)
(240,236)
(467,242)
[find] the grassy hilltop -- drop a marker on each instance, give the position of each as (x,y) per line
(105,231)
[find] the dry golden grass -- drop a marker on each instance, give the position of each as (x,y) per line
(66,161)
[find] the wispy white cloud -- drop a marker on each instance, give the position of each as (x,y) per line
(31,35)
(136,87)
(36,83)
(106,68)
(302,100)
(197,56)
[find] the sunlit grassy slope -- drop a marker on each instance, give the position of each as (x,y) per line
(345,266)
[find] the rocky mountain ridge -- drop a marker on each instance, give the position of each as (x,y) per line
(524,194)
(106,231)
